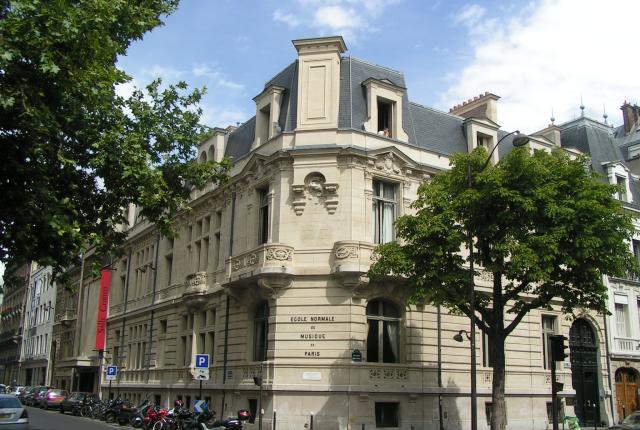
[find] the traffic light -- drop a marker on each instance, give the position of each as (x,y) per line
(558,347)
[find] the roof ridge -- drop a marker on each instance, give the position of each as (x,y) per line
(374,65)
(436,110)
(280,72)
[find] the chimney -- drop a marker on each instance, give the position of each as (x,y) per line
(629,116)
(483,106)
(552,132)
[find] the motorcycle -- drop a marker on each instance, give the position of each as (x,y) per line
(229,423)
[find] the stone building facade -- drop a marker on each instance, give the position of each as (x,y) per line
(268,272)
(38,325)
(11,321)
(74,359)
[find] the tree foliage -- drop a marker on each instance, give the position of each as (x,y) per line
(75,153)
(544,227)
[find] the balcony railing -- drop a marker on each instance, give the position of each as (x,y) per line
(66,316)
(627,344)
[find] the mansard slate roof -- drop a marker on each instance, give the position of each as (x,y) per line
(603,145)
(427,128)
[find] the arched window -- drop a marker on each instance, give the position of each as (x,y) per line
(211,154)
(203,157)
(260,331)
(383,337)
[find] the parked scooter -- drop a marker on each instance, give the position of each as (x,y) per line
(229,423)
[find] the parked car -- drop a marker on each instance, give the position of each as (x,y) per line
(15,390)
(28,395)
(38,394)
(631,422)
(73,402)
(23,393)
(12,414)
(53,397)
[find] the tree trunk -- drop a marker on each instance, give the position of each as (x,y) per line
(498,410)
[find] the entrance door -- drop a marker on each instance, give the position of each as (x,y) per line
(584,372)
(626,391)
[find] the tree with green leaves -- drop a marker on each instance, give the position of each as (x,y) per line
(544,227)
(74,152)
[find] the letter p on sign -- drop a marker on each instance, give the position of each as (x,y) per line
(202,361)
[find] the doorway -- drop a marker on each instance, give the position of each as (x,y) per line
(583,347)
(626,391)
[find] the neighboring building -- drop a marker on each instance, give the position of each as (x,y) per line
(75,361)
(38,326)
(615,153)
(268,273)
(11,320)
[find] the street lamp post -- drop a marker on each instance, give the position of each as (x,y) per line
(518,140)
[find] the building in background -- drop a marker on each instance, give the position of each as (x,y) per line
(268,272)
(74,359)
(38,327)
(16,281)
(615,154)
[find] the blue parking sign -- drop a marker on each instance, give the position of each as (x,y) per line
(112,373)
(202,361)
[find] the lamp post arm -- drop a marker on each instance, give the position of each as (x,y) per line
(496,146)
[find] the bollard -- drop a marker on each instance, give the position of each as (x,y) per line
(273,423)
(311,422)
(362,426)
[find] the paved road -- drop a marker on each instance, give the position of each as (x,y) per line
(53,420)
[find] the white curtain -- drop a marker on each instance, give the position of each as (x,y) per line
(392,329)
(387,222)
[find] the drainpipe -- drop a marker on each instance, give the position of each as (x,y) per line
(153,301)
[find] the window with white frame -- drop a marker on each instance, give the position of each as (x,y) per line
(622,315)
(384,211)
(487,357)
(548,330)
(383,332)
(621,181)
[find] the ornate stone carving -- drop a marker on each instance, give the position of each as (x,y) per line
(278,253)
(244,261)
(399,374)
(388,164)
(346,252)
(315,187)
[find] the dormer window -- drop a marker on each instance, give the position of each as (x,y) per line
(621,181)
(263,121)
(385,117)
(384,109)
(267,114)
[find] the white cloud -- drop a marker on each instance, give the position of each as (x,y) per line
(336,18)
(216,77)
(222,116)
(469,15)
(288,18)
(350,19)
(547,58)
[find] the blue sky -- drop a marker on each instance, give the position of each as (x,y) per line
(538,55)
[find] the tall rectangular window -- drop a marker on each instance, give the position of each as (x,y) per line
(487,358)
(384,211)
(548,330)
(385,115)
(263,216)
(621,181)
(622,315)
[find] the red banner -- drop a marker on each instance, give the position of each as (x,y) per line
(103,305)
